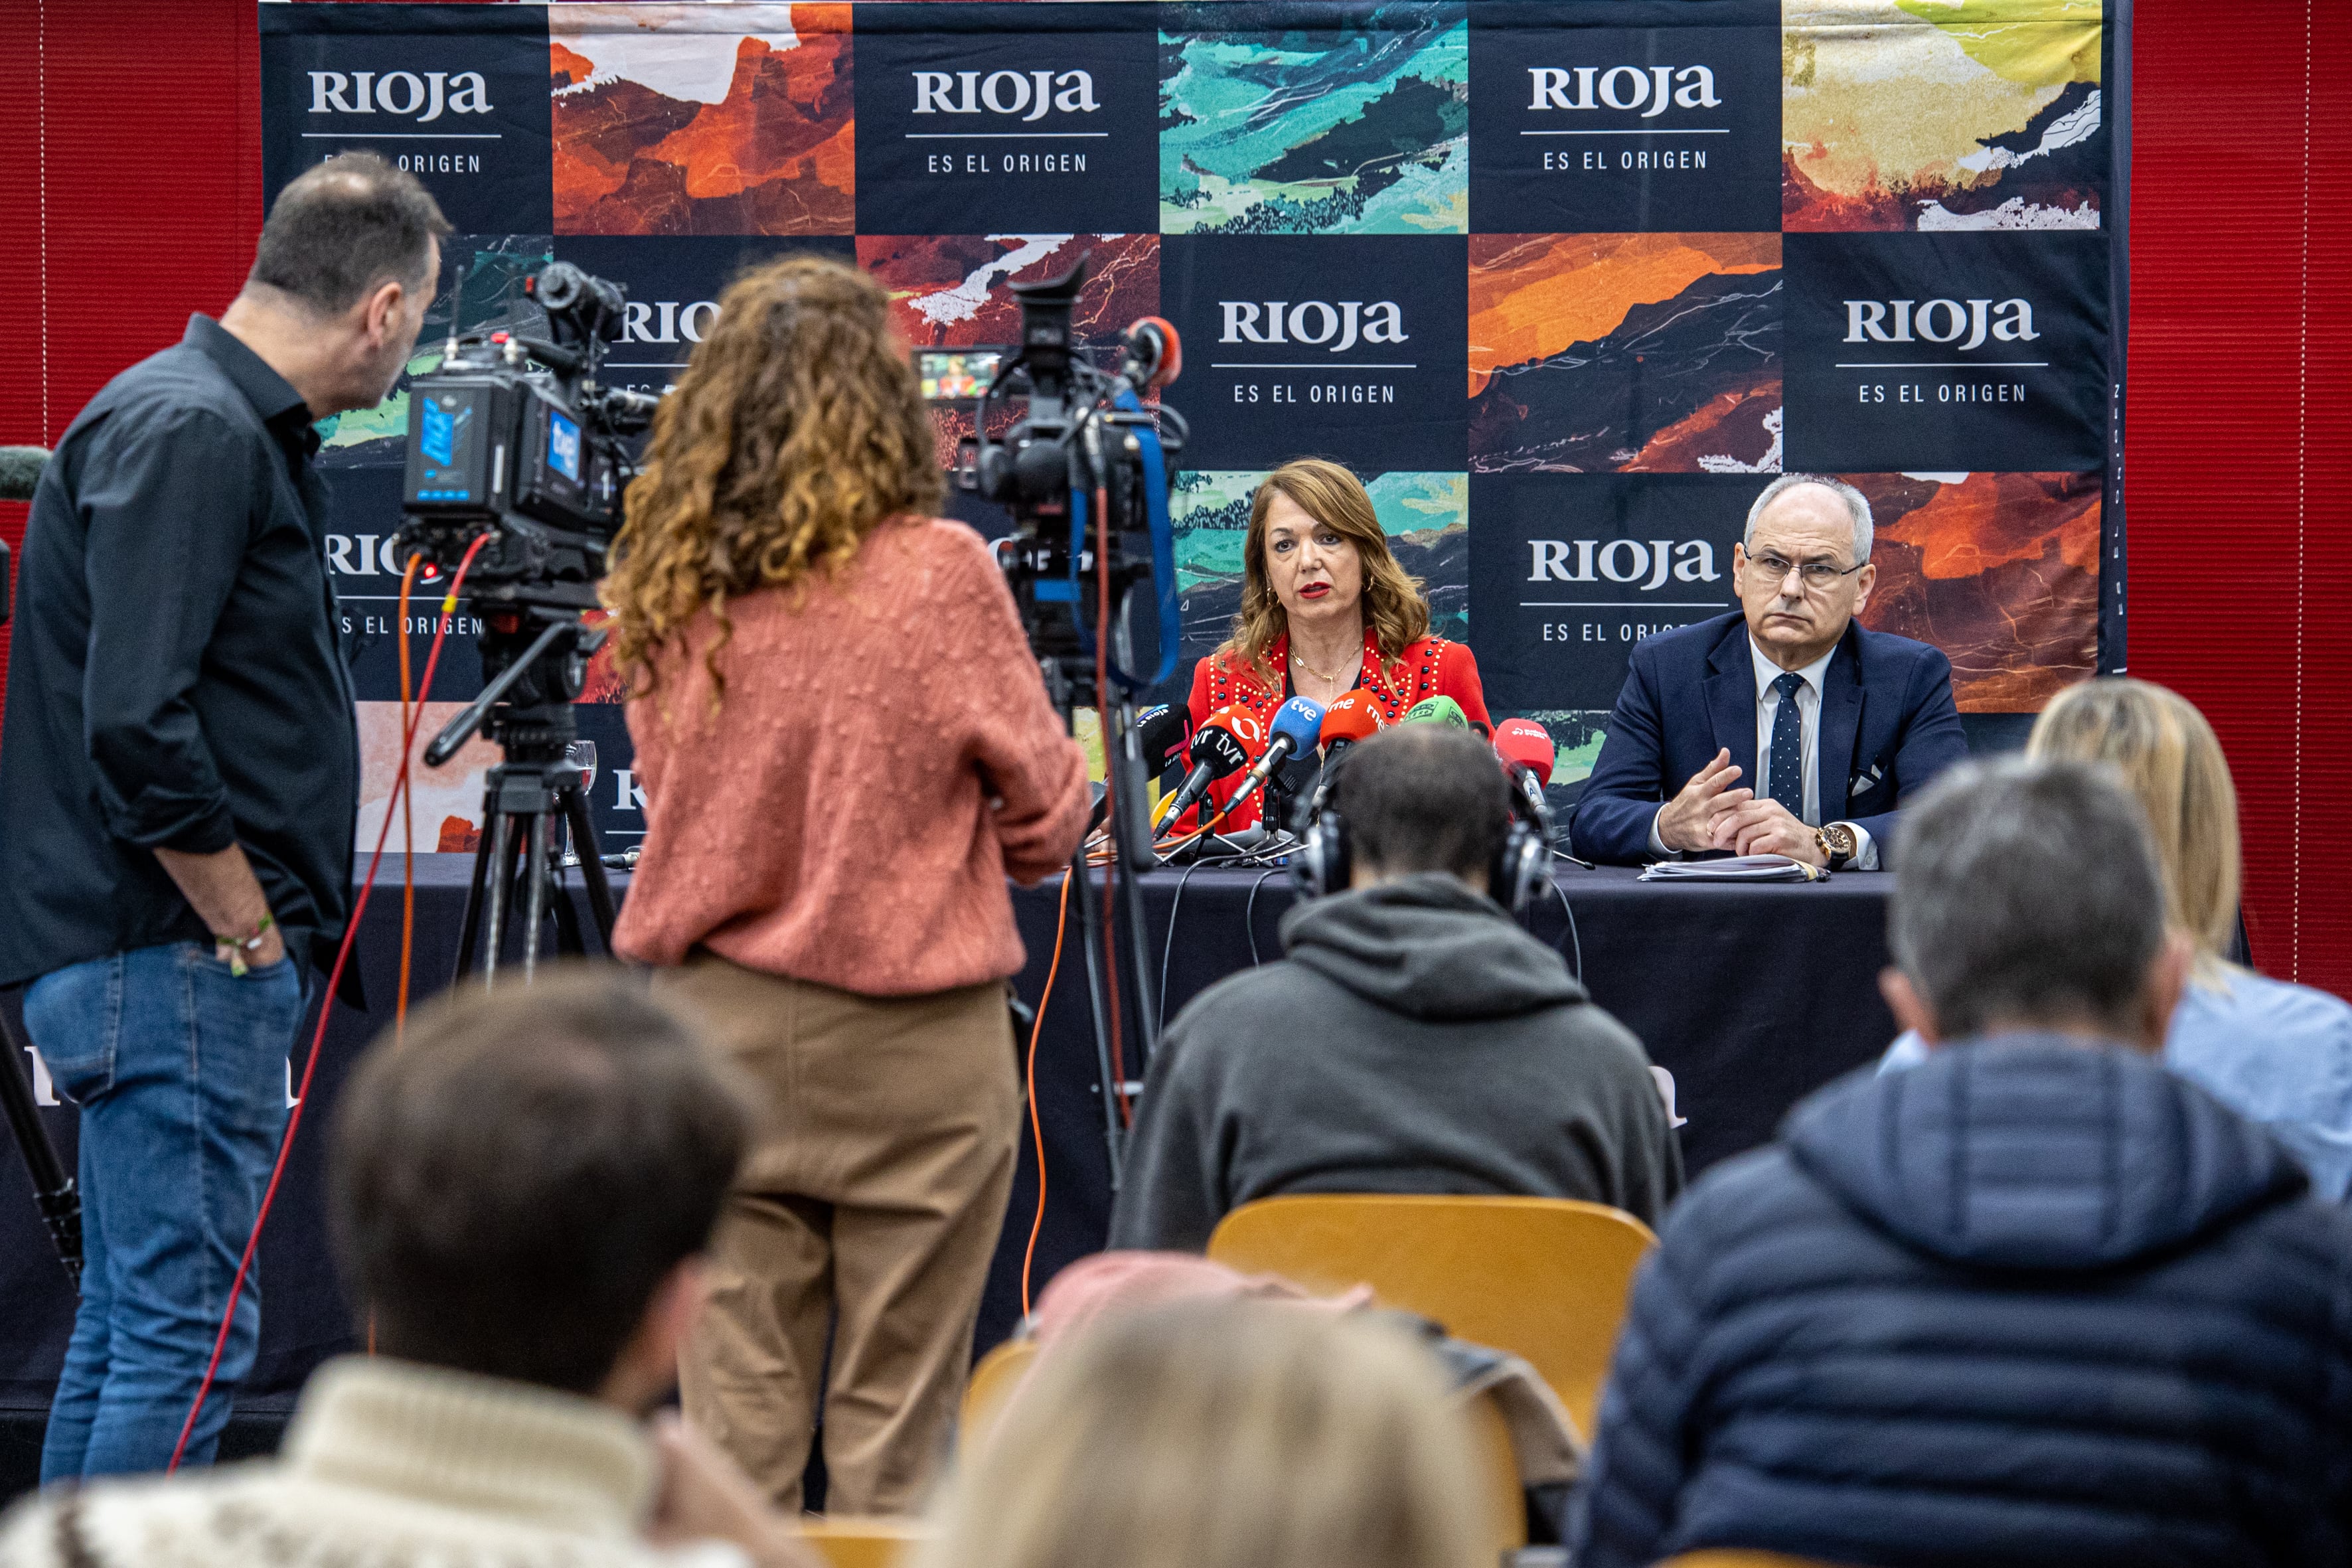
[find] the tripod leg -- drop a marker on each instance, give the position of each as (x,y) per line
(592,868)
(567,916)
(1130,828)
(1090,943)
(502,863)
(537,825)
(471,926)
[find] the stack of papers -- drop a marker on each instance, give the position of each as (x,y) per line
(1736,868)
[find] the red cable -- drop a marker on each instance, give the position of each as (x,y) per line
(326,1011)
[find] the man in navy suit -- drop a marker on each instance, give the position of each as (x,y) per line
(1823,728)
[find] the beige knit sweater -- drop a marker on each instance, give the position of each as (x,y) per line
(386,1465)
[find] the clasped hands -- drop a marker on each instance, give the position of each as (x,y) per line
(1708,813)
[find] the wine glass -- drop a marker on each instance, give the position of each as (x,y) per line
(581,755)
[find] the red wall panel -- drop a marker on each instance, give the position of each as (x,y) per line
(2235,470)
(130,203)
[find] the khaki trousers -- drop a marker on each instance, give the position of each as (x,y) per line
(871,1203)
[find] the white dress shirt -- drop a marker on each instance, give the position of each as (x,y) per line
(1808,714)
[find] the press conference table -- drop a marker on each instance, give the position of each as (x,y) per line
(1749,996)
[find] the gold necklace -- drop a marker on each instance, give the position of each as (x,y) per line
(1327,679)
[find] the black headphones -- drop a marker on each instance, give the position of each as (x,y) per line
(1324,861)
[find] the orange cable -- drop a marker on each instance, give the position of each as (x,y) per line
(1037,1127)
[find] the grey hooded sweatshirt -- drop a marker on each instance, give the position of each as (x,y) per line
(1415,1039)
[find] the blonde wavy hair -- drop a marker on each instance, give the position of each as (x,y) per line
(797,430)
(1221,1435)
(1394,606)
(2171,760)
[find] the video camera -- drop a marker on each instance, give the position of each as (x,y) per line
(1087,452)
(515,437)
(518,457)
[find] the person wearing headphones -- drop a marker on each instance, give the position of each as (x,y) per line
(1412,1039)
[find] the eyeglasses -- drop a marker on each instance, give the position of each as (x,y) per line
(1817,574)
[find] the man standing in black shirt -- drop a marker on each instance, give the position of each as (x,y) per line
(179,781)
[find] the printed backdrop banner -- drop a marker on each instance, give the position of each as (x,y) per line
(1565,283)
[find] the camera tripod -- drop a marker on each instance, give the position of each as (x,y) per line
(1069,681)
(526,710)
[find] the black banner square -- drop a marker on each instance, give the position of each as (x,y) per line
(1321,345)
(1567,572)
(1006,119)
(673,284)
(1945,352)
(457,94)
(1668,118)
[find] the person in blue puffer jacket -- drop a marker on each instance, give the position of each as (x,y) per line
(2277,1052)
(2034,1301)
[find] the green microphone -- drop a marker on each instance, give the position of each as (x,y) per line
(1436,710)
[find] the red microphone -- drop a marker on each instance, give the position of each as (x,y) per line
(1225,744)
(1351,717)
(1155,354)
(1524,744)
(1527,753)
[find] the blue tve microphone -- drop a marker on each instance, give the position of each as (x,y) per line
(1297,727)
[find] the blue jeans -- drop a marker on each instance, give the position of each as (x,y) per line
(179,1068)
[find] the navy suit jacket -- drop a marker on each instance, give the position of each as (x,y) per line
(1887,727)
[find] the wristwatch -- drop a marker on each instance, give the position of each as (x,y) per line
(1837,843)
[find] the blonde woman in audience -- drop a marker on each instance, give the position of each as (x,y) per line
(2276,1053)
(1222,1435)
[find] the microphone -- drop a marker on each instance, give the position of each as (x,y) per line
(1297,723)
(1220,746)
(1351,717)
(1159,737)
(20,470)
(1159,734)
(1528,755)
(1436,710)
(1523,743)
(1151,354)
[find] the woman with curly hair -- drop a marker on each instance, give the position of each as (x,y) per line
(1326,609)
(845,748)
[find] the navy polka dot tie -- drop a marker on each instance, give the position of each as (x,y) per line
(1785,777)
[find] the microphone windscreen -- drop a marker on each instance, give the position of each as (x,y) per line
(1301,718)
(1524,742)
(1352,716)
(1158,334)
(1436,710)
(20,470)
(1227,740)
(1159,734)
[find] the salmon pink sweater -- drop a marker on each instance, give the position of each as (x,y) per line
(884,757)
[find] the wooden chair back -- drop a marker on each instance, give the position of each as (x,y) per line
(1000,1372)
(846,1540)
(1545,1278)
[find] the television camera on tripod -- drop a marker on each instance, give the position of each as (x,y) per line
(1085,472)
(519,456)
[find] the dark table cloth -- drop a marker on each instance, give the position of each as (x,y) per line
(1749,995)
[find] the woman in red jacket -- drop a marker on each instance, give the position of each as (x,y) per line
(846,748)
(1326,609)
